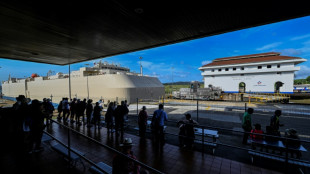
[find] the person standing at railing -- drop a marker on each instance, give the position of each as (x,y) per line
(275,122)
(97,115)
(254,134)
(120,112)
(37,124)
(247,124)
(142,121)
(73,108)
(109,117)
(59,108)
(189,130)
(158,123)
(89,111)
(65,110)
(293,142)
(48,110)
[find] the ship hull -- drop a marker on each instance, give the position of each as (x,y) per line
(113,87)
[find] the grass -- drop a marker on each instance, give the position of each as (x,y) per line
(302,101)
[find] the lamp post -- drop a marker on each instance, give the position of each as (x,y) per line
(87,83)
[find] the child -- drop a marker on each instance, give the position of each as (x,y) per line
(255,137)
(257,130)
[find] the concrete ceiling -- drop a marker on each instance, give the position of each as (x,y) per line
(66,32)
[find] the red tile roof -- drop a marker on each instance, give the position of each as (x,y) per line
(263,57)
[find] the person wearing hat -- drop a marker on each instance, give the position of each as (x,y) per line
(142,121)
(123,165)
(292,142)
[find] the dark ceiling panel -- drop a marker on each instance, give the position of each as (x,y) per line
(71,31)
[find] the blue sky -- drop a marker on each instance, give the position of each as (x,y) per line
(180,62)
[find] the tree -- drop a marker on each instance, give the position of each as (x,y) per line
(308,79)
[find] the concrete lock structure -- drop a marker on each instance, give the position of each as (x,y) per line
(103,81)
(262,73)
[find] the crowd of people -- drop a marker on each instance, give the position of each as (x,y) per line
(74,112)
(272,131)
(30,117)
(31,123)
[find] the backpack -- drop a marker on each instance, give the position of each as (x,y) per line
(156,120)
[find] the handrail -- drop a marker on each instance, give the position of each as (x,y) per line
(231,130)
(240,148)
(70,149)
(112,149)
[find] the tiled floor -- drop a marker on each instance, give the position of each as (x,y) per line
(171,160)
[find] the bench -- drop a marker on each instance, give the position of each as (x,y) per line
(207,133)
(74,157)
(280,159)
(101,165)
(212,145)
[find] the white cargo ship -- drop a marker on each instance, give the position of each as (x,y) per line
(102,81)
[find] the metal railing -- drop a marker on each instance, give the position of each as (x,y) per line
(287,150)
(103,145)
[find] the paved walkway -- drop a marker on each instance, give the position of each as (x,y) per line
(172,160)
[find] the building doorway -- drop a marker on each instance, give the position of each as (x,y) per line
(241,87)
(277,86)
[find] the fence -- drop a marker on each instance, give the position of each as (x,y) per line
(226,118)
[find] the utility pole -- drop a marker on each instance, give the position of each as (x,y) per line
(141,69)
(69,82)
(87,83)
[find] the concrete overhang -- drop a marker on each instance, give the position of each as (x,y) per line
(66,32)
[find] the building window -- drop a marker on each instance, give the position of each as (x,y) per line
(219,70)
(268,66)
(241,74)
(212,70)
(234,69)
(279,73)
(226,69)
(259,67)
(278,66)
(242,68)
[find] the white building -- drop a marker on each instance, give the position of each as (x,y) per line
(263,73)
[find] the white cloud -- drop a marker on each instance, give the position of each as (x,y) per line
(303,73)
(269,46)
(300,37)
(205,62)
(290,52)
